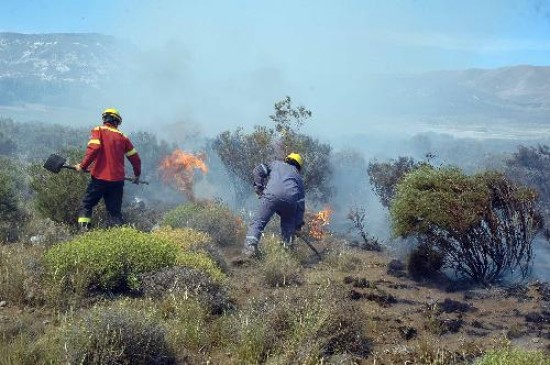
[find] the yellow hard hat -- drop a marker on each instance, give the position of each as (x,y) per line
(295,157)
(112,112)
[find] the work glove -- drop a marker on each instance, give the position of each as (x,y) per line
(78,168)
(135,180)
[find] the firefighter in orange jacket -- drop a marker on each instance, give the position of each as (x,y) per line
(107,149)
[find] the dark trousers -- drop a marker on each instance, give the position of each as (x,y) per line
(111,192)
(267,207)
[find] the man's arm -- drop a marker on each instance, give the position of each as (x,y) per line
(133,156)
(260,175)
(94,145)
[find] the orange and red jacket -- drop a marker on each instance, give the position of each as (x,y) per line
(106,149)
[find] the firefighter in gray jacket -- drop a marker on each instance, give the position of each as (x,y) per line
(281,190)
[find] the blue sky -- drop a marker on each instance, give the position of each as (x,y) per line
(237,57)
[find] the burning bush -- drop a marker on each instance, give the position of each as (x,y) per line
(179,170)
(213,218)
(316,223)
(483,225)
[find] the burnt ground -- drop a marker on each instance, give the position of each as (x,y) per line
(426,321)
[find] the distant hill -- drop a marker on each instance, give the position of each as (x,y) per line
(512,94)
(69,70)
(56,69)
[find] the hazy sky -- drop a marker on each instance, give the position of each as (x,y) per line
(217,60)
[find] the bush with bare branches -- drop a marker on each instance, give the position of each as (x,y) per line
(483,225)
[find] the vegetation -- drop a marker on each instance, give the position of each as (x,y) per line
(112,336)
(241,152)
(531,166)
(385,176)
(11,209)
(483,225)
(58,196)
(168,296)
(213,218)
(107,260)
(513,357)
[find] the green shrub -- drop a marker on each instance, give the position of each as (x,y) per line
(483,224)
(58,196)
(213,218)
(108,260)
(198,250)
(119,335)
(11,210)
(514,357)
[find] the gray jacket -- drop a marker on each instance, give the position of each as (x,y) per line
(280,180)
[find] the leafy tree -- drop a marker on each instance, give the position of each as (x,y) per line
(286,116)
(531,166)
(384,176)
(483,225)
(241,152)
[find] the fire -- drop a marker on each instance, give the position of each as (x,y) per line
(317,221)
(179,169)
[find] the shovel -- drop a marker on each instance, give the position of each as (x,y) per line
(55,163)
(306,241)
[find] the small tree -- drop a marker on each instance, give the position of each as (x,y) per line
(483,225)
(241,152)
(384,176)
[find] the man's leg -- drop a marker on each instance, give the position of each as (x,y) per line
(287,212)
(113,202)
(93,194)
(260,219)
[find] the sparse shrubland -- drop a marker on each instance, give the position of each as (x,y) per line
(168,296)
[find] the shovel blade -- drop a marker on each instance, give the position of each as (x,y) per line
(54,163)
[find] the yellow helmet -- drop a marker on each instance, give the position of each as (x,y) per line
(111,112)
(295,157)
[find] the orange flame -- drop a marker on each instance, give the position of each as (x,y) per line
(318,221)
(179,169)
